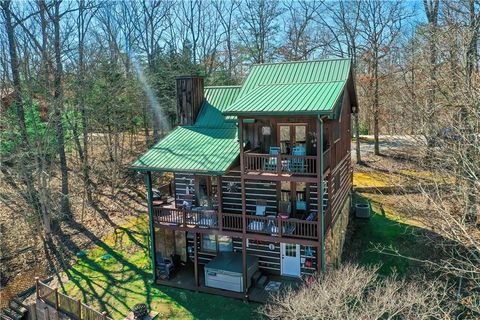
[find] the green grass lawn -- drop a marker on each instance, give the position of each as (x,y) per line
(116,274)
(385,231)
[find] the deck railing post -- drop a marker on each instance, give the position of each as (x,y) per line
(184,218)
(279,163)
(79,303)
(36,287)
(56,298)
(280,226)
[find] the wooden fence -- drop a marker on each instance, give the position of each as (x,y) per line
(74,308)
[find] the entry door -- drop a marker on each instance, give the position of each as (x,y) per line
(290,259)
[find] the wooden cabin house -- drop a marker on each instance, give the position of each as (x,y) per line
(262,179)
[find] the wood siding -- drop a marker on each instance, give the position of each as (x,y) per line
(269,260)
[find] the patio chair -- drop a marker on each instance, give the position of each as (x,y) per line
(301,205)
(312,216)
(260,208)
(297,164)
(208,219)
(187,202)
(284,209)
(271,163)
(164,266)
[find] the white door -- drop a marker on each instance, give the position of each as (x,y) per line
(290,259)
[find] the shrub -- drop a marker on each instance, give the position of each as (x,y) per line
(353,292)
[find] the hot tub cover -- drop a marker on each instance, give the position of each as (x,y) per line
(231,261)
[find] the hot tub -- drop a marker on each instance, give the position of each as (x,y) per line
(225,271)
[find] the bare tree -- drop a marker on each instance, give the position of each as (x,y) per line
(353,292)
(259,28)
(227,10)
(31,195)
(302,32)
(381,25)
(346,17)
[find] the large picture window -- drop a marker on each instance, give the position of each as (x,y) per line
(215,243)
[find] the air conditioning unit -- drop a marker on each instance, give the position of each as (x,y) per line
(362,210)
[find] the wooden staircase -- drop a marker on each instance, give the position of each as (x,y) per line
(16,310)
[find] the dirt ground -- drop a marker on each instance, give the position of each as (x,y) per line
(119,196)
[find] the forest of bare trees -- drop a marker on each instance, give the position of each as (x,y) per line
(85,85)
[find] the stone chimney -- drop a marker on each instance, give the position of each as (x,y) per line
(189,98)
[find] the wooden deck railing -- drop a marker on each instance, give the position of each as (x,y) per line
(280,164)
(63,303)
(289,228)
(232,222)
(191,218)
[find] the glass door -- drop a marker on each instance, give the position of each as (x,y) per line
(292,135)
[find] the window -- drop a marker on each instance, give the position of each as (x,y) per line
(209,242)
(212,242)
(224,244)
(290,250)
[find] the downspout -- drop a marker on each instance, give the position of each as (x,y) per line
(148,182)
(322,214)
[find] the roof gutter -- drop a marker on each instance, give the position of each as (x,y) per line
(146,169)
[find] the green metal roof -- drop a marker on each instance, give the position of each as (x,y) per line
(217,99)
(192,149)
(306,87)
(289,99)
(297,72)
(209,146)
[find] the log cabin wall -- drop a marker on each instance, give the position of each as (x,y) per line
(262,143)
(257,189)
(269,260)
(232,194)
(183,182)
(340,177)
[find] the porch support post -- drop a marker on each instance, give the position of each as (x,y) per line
(320,213)
(244,210)
(148,181)
(220,207)
(195,258)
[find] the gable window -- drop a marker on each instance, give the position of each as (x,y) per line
(214,243)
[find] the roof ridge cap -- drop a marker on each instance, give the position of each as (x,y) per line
(224,87)
(302,61)
(292,83)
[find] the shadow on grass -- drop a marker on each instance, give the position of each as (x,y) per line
(116,274)
(374,241)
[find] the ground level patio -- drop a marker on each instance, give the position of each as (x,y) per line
(184,278)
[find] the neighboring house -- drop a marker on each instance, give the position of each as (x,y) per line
(248,161)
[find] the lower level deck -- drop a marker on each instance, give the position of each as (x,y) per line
(184,278)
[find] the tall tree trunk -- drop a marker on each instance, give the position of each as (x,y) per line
(58,106)
(83,152)
(431,11)
(26,172)
(357,137)
(469,122)
(376,106)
